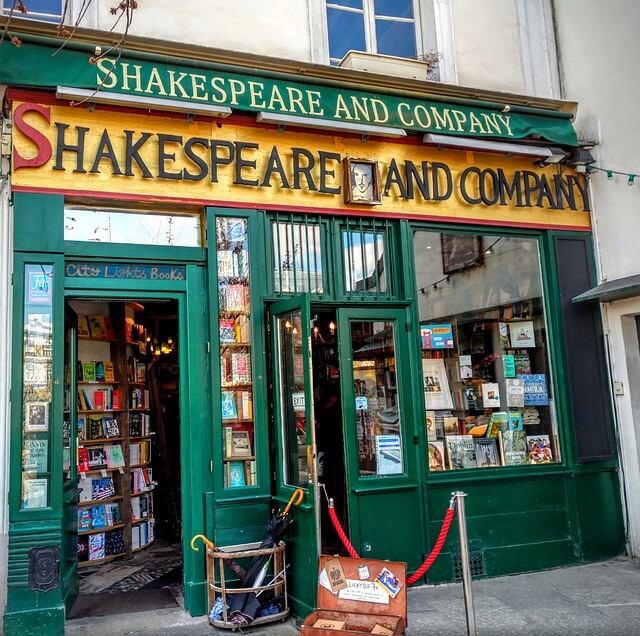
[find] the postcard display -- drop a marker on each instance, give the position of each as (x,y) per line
(236,397)
(115,510)
(486,391)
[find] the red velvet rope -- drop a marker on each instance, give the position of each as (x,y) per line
(448,518)
(433,555)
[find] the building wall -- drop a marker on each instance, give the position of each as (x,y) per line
(599,52)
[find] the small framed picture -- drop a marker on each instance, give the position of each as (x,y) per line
(522,334)
(361,181)
(460,251)
(36,417)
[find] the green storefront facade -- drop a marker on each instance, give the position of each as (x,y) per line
(435,303)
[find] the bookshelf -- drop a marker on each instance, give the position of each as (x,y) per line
(115,511)
(236,379)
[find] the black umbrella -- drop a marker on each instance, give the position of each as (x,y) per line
(243,608)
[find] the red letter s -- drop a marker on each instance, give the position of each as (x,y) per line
(41,142)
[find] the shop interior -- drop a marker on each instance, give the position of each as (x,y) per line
(128,440)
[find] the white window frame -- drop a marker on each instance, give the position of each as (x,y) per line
(48,17)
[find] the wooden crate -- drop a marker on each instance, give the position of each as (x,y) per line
(360,616)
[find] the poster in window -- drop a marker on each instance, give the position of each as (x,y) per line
(388,455)
(436,384)
(522,334)
(36,417)
(34,493)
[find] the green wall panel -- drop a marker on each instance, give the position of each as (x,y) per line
(38,222)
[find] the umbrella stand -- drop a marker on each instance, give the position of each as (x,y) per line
(244,596)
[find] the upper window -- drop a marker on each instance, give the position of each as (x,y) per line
(46,10)
(387,27)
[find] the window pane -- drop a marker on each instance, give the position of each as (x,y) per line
(396,38)
(298,258)
(485,357)
(364,262)
(394,8)
(352,4)
(48,10)
(377,412)
(346,32)
(109,226)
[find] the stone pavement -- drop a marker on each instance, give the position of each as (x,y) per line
(599,599)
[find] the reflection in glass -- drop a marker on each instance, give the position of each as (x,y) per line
(133,227)
(37,385)
(364,261)
(488,389)
(377,409)
(298,258)
(292,399)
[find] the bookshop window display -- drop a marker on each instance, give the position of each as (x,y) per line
(235,353)
(487,387)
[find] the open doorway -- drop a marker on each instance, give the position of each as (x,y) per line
(329,430)
(126,449)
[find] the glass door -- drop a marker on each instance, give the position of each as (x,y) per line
(380,434)
(70,491)
(295,442)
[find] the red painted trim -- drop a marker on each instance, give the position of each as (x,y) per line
(303,209)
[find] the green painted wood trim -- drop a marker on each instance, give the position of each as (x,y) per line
(129,287)
(127,252)
(38,222)
(35,622)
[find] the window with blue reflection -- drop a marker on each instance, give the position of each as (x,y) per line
(45,10)
(387,27)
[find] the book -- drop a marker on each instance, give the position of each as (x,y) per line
(514,448)
(461,451)
(110,427)
(515,421)
(99,402)
(470,397)
(99,371)
(81,427)
(436,455)
(430,418)
(535,389)
(116,403)
(228,405)
(109,375)
(240,444)
(98,517)
(490,395)
(487,452)
(235,297)
(522,363)
(228,446)
(247,405)
(240,368)
(83,460)
(115,458)
(102,489)
(522,334)
(227,330)
(83,327)
(89,371)
(84,518)
(95,429)
(498,421)
(515,391)
(235,474)
(539,449)
(108,328)
(97,326)
(141,371)
(97,457)
(96,546)
(509,365)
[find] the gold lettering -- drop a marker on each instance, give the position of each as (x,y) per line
(109,80)
(419,110)
(402,106)
(475,123)
(255,90)
(363,108)
(276,97)
(460,118)
(126,76)
(297,100)
(155,80)
(342,110)
(380,111)
(237,88)
(490,122)
(506,120)
(221,96)
(442,121)
(175,83)
(197,84)
(314,102)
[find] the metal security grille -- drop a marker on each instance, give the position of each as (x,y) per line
(366,262)
(298,258)
(476,564)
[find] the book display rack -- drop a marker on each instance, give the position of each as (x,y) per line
(236,390)
(115,476)
(486,391)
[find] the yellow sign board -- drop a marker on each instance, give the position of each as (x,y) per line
(153,158)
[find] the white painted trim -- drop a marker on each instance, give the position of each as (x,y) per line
(318,32)
(538,48)
(445,42)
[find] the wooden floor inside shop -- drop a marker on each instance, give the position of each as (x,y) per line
(151,580)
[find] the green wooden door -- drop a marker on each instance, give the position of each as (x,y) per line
(381,438)
(295,444)
(70,491)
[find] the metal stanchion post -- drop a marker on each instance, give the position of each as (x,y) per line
(464,558)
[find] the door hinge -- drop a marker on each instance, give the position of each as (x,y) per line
(415,440)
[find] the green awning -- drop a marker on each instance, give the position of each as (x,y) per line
(611,290)
(146,75)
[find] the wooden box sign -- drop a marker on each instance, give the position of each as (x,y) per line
(359,596)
